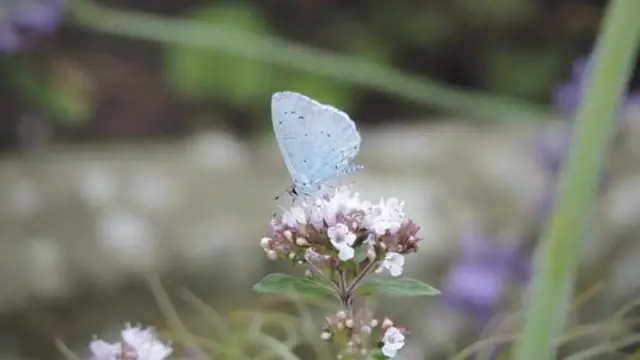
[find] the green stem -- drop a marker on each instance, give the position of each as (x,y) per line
(559,251)
(422,91)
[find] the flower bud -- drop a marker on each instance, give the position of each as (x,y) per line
(387,323)
(302,242)
(287,235)
(325,336)
(349,323)
(265,243)
(272,255)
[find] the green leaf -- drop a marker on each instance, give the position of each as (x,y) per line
(377,355)
(287,284)
(402,287)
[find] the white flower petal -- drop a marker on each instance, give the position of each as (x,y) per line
(295,216)
(389,350)
(345,253)
(393,341)
(350,238)
(393,262)
(141,344)
(103,350)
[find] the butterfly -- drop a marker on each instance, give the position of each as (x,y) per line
(318,142)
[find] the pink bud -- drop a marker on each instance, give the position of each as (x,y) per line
(387,323)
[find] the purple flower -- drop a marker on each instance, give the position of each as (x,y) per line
(550,148)
(567,96)
(22,19)
(476,283)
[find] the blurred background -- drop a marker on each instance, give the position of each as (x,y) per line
(136,139)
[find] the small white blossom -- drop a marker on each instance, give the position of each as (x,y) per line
(138,344)
(385,216)
(295,217)
(393,263)
(342,240)
(102,350)
(393,341)
(341,202)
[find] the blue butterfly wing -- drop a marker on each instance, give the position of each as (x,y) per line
(338,142)
(318,142)
(289,128)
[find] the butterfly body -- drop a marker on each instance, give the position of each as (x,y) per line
(318,142)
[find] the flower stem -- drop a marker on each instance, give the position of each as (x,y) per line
(558,254)
(319,273)
(367,270)
(345,296)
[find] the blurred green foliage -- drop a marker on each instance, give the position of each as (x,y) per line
(518,48)
(403,25)
(200,74)
(496,12)
(60,91)
(203,74)
(523,72)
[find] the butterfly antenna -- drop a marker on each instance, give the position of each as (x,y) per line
(279,196)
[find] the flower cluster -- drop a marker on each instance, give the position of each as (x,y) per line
(342,240)
(363,334)
(340,227)
(137,344)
